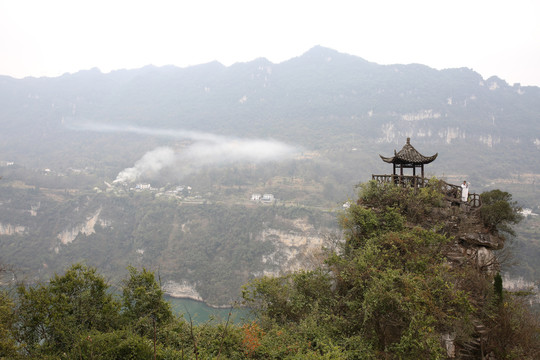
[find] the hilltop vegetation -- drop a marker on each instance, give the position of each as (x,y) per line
(391,292)
(387,291)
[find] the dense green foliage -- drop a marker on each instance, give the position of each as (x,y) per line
(8,343)
(75,315)
(385,292)
(142,301)
(52,316)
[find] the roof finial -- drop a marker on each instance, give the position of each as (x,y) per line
(408,141)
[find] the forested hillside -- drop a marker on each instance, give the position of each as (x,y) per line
(392,290)
(73,150)
(210,248)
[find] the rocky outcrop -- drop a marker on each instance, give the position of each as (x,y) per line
(473,242)
(488,241)
(181,290)
(87,228)
(298,248)
(34,209)
(8,229)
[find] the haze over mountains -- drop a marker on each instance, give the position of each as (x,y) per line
(305,131)
(320,100)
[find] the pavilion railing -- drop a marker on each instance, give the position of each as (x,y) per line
(451,191)
(412,181)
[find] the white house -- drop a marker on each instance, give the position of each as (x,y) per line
(267,198)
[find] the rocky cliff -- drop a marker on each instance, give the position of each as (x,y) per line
(473,242)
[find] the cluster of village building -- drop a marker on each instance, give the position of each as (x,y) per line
(179,191)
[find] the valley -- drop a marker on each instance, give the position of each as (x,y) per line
(213,175)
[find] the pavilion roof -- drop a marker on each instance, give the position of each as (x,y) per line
(409,155)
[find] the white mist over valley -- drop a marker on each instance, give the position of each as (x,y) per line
(204,149)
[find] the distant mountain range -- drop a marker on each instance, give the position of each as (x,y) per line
(322,99)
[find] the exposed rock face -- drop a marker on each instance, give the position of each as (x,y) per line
(488,241)
(473,241)
(448,343)
(296,249)
(34,209)
(87,228)
(473,244)
(8,229)
(181,290)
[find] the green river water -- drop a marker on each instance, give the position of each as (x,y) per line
(201,313)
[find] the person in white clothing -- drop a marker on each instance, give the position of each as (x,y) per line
(464,191)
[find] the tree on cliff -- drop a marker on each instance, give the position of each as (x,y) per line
(499,212)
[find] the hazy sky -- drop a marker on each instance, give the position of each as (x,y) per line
(52,37)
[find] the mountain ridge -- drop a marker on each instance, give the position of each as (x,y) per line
(317,100)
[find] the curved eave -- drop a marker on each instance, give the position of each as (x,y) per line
(398,160)
(430,158)
(389,160)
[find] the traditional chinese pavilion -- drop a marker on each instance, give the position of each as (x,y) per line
(408,157)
